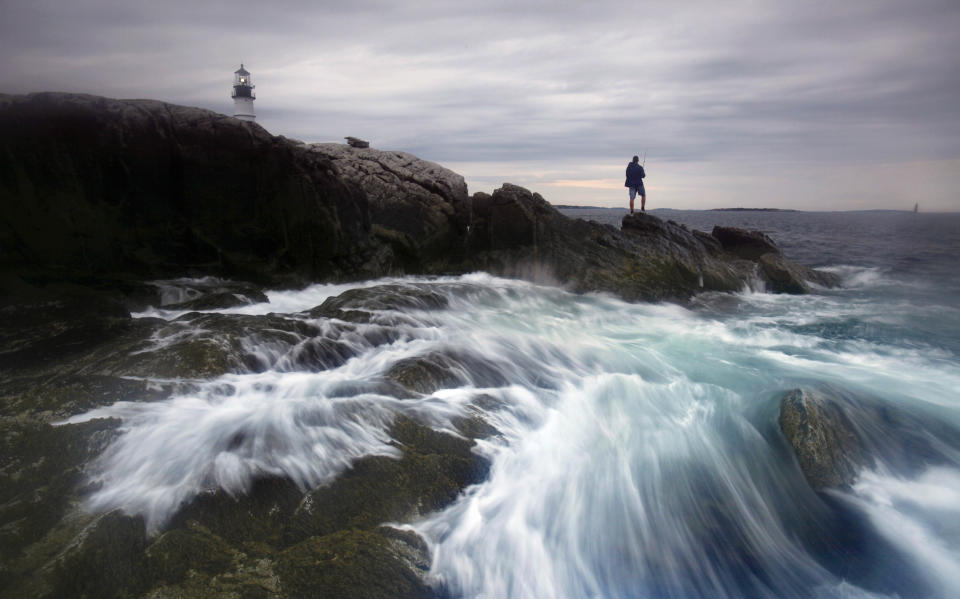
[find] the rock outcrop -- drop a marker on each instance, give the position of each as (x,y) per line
(835,434)
(823,438)
(417,208)
(110,192)
(779,274)
(90,186)
(745,244)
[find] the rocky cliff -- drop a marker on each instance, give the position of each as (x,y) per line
(92,186)
(99,189)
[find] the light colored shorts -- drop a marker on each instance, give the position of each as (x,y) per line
(637,190)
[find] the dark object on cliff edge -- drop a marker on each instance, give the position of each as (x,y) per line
(356,142)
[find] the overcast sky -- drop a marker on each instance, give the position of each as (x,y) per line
(839,104)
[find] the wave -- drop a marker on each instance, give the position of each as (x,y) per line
(636,453)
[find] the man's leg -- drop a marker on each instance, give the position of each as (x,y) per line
(633,194)
(643,203)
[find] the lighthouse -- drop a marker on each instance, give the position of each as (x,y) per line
(243,95)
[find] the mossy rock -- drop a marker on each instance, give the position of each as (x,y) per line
(424,374)
(443,370)
(107,561)
(258,516)
(432,471)
(194,547)
(383,297)
(825,441)
(40,471)
(350,564)
(474,426)
(59,397)
(203,358)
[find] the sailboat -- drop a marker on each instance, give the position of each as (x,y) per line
(916,207)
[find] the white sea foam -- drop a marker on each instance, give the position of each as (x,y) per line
(628,462)
(921,517)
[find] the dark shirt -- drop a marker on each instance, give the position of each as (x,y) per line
(635,175)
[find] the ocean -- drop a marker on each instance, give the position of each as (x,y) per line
(638,453)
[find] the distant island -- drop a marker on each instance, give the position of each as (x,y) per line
(752,210)
(570,207)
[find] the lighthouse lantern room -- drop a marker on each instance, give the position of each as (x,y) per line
(243,95)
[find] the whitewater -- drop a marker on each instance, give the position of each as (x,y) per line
(637,452)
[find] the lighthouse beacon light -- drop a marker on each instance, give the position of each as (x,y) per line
(243,95)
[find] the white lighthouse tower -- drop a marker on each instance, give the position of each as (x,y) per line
(243,95)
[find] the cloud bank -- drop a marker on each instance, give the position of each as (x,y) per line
(821,105)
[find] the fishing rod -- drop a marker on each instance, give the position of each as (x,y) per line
(644,158)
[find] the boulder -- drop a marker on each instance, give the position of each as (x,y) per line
(382,297)
(428,373)
(783,276)
(417,207)
(745,244)
(778,274)
(511,218)
(835,433)
(823,438)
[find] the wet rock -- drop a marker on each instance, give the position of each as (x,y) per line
(749,245)
(220,300)
(381,298)
(710,243)
(318,353)
(475,426)
(171,556)
(202,358)
(835,433)
(204,346)
(782,276)
(41,466)
(206,293)
(366,564)
(330,540)
(425,374)
(107,560)
(259,515)
(824,439)
(433,469)
(428,373)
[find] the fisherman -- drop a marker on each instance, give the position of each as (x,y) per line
(635,177)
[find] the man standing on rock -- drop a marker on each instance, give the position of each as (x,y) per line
(635,177)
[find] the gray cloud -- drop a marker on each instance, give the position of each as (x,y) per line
(743,83)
